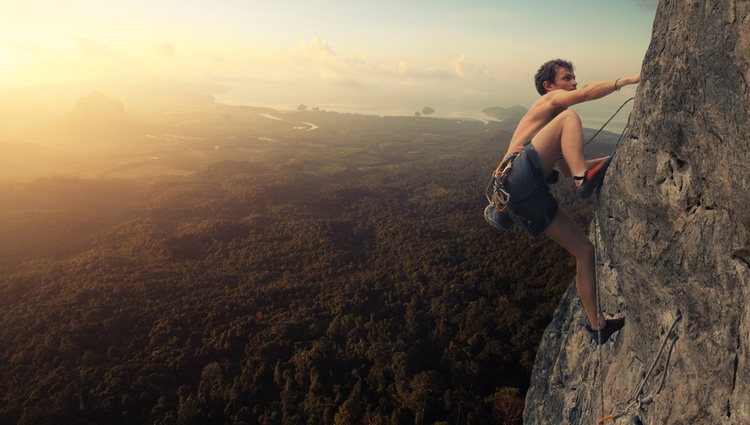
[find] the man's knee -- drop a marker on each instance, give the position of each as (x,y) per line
(585,251)
(570,116)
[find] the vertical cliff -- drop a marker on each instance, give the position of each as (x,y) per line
(672,231)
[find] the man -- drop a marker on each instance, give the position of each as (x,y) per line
(551,135)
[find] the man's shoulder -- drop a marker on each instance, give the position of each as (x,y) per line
(542,107)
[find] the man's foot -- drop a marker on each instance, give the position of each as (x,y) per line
(611,327)
(592,178)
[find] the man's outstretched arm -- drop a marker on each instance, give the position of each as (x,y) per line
(593,91)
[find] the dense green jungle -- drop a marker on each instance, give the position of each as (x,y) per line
(235,265)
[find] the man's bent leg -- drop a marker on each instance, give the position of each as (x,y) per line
(566,233)
(564,134)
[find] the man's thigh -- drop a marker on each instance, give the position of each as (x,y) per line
(566,233)
(548,141)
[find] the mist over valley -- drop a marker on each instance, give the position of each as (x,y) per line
(207,263)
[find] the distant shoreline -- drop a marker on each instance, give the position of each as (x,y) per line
(593,118)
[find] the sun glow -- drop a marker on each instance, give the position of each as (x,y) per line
(452,57)
(5,60)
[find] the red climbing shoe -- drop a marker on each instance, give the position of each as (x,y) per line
(593,178)
(602,335)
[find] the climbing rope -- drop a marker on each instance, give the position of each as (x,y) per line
(610,119)
(638,399)
(597,235)
(598,303)
(596,255)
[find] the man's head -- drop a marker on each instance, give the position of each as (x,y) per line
(553,75)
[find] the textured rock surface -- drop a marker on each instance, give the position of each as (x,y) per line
(673,234)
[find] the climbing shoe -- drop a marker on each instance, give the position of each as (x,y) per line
(602,336)
(499,220)
(554,177)
(592,178)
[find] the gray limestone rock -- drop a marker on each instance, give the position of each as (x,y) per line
(672,231)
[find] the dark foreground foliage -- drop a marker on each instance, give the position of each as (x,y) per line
(340,290)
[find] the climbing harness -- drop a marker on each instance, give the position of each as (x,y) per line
(498,197)
(638,399)
(496,193)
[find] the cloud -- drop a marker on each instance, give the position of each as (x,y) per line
(338,79)
(462,67)
(319,48)
(404,70)
(91,48)
(459,65)
(353,70)
(26,47)
(165,50)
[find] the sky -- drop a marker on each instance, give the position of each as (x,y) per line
(386,57)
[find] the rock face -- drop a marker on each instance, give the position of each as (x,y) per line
(672,232)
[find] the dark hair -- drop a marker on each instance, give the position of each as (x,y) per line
(548,71)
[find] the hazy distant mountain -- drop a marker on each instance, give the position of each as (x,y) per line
(97,104)
(514,113)
(100,118)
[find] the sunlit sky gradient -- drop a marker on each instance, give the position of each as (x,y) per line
(382,57)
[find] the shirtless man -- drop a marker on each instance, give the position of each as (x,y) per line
(550,135)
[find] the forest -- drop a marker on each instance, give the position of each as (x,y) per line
(345,276)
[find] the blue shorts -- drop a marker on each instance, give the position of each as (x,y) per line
(530,197)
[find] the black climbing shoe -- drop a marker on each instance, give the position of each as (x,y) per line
(613,326)
(499,220)
(593,178)
(554,177)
